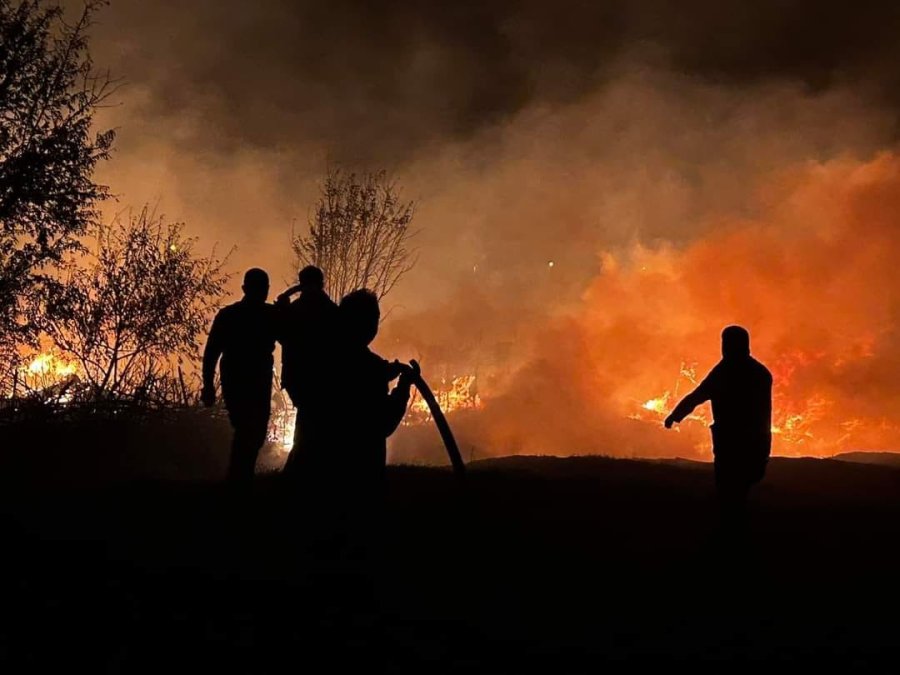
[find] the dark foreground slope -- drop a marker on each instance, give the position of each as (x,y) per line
(541,565)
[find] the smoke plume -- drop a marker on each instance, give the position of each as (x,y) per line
(601,187)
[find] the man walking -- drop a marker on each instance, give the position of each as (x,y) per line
(243,334)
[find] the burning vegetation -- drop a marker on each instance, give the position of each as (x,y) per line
(46,374)
(811,272)
(812,276)
(454,394)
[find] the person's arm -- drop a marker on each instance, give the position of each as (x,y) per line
(393,369)
(398,399)
(686,406)
(211,354)
(282,313)
(284,299)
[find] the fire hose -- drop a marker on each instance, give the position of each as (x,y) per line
(440,421)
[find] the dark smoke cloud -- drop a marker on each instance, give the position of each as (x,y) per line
(231,110)
(529,131)
(377,81)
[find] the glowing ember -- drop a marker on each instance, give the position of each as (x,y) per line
(658,405)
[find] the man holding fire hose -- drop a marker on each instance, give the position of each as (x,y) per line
(328,381)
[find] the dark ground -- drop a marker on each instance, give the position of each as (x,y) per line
(540,565)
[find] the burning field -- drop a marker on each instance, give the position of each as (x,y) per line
(584,229)
(814,280)
(579,261)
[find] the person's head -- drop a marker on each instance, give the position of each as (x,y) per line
(360,316)
(256,285)
(311,279)
(735,342)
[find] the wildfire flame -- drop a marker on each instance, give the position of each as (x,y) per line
(454,394)
(658,405)
(43,373)
(458,393)
(281,428)
(51,365)
(793,422)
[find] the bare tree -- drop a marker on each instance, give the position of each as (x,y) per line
(48,151)
(359,234)
(133,311)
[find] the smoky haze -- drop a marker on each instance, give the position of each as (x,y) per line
(529,133)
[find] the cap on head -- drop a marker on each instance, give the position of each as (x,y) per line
(256,284)
(360,316)
(735,342)
(311,277)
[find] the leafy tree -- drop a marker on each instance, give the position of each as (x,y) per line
(49,93)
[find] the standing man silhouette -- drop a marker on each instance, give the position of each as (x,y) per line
(740,388)
(309,336)
(243,334)
(370,411)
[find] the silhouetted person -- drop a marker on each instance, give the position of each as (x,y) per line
(740,388)
(309,334)
(351,467)
(243,335)
(371,412)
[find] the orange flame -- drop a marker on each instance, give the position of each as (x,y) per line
(459,393)
(45,371)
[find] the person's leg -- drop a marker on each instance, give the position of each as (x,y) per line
(727,492)
(732,496)
(257,432)
(738,507)
(299,454)
(366,513)
(242,461)
(250,422)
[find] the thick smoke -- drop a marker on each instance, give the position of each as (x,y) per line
(378,81)
(600,137)
(230,111)
(633,177)
(814,279)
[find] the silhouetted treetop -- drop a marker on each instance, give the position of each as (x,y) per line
(359,234)
(49,92)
